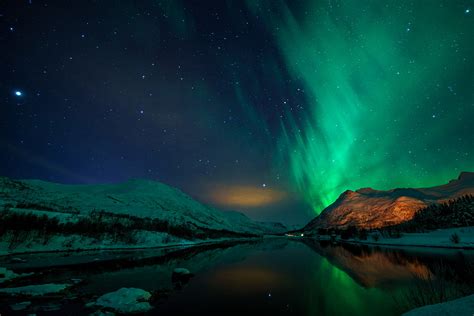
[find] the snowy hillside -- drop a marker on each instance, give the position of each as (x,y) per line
(135,205)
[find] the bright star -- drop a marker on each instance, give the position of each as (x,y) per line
(264,185)
(18,93)
(468,11)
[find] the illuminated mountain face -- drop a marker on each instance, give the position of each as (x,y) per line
(368,208)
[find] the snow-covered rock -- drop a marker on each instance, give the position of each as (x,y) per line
(461,307)
(126,301)
(35,290)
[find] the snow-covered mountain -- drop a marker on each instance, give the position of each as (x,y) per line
(368,208)
(138,198)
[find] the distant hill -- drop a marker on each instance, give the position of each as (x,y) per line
(98,210)
(367,208)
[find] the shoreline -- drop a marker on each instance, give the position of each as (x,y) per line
(175,245)
(404,245)
(437,239)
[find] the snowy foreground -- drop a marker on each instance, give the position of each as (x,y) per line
(441,238)
(460,307)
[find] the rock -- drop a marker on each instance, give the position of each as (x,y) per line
(126,301)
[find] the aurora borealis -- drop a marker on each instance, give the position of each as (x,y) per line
(273,108)
(379,95)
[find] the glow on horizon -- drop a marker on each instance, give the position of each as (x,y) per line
(245,196)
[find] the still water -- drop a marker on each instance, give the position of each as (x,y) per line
(269,277)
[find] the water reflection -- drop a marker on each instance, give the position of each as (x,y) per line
(248,279)
(272,276)
(371,267)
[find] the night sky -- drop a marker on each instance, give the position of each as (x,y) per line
(273,108)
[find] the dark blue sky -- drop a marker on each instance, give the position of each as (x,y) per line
(166,90)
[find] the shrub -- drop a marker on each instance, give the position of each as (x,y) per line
(455,239)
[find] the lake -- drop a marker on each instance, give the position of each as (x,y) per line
(273,276)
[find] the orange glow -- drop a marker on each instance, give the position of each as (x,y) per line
(241,195)
(247,279)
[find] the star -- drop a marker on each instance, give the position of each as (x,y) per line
(18,93)
(467,11)
(264,185)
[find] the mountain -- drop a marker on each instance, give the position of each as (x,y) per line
(135,204)
(368,208)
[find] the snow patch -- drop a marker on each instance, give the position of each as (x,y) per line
(35,290)
(438,238)
(461,307)
(182,271)
(6,275)
(20,306)
(126,300)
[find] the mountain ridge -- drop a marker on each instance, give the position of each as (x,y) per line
(369,208)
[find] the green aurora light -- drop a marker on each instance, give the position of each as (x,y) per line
(388,87)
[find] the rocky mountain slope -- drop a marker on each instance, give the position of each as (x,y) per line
(161,205)
(368,208)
